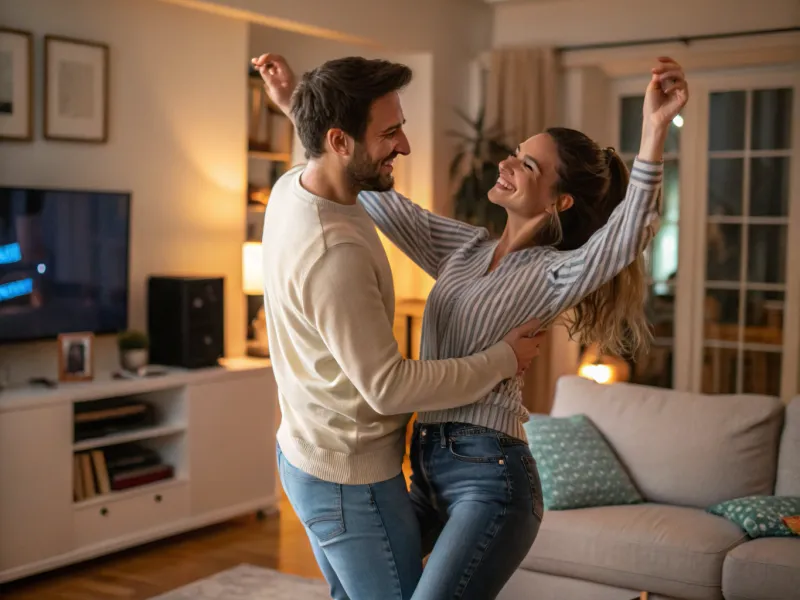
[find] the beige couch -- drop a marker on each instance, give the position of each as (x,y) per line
(684,453)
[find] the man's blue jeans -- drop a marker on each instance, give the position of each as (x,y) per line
(365,537)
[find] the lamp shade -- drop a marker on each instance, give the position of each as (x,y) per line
(252,276)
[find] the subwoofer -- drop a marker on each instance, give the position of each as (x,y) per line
(185,321)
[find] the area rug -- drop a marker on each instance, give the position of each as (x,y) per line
(248,582)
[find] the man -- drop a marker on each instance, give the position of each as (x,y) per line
(345,392)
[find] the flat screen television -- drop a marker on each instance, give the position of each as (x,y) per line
(63,262)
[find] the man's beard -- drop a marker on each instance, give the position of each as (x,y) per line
(365,174)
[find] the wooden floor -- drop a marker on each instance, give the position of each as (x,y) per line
(277,542)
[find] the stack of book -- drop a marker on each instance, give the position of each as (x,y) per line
(116,468)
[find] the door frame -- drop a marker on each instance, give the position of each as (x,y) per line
(693,176)
(702,86)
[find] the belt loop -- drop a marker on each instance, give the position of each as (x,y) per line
(443,435)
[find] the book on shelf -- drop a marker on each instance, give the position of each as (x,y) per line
(113,415)
(116,468)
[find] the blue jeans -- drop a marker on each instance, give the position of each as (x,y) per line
(365,537)
(478,497)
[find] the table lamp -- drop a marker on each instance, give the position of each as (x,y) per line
(253,285)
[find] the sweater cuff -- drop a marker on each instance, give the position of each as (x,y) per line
(502,355)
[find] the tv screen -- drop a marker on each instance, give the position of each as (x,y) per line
(63,262)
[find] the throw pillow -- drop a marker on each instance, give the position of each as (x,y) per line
(760,516)
(577,467)
(793,523)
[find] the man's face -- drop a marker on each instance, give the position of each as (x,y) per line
(370,168)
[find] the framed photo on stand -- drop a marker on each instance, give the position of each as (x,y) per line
(75,90)
(16,85)
(76,356)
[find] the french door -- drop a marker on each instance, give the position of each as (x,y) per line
(724,302)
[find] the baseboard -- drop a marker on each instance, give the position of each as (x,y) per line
(268,504)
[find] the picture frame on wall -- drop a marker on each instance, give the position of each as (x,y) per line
(76,74)
(16,85)
(76,356)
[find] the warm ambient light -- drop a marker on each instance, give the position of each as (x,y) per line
(598,373)
(603,368)
(252,276)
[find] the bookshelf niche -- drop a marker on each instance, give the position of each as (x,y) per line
(269,152)
(123,443)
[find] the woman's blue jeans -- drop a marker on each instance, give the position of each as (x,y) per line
(478,499)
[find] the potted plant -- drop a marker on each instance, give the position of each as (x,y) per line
(474,171)
(134,349)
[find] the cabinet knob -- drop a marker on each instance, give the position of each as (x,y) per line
(158,498)
(104,511)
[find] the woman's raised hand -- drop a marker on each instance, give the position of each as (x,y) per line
(666,95)
(279,79)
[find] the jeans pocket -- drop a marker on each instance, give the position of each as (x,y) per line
(536,484)
(480,448)
(318,503)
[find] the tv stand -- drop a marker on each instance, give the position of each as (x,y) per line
(216,427)
(49,383)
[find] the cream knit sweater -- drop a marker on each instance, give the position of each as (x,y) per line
(345,392)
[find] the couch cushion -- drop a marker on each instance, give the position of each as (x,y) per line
(670,550)
(760,516)
(764,569)
(682,448)
(576,465)
(788,482)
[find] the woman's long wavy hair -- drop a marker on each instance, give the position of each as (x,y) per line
(612,316)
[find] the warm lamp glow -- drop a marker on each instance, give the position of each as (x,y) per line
(252,275)
(603,368)
(598,373)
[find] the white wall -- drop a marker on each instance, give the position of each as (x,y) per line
(573,22)
(453,32)
(177,141)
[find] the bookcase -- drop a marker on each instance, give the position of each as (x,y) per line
(91,468)
(270,134)
(270,137)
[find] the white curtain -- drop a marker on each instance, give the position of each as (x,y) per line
(522,91)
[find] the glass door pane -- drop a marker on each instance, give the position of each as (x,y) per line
(747,218)
(656,368)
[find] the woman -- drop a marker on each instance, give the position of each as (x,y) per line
(576,231)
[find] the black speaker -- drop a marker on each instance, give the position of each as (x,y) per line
(185,321)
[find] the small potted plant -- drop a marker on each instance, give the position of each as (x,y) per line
(134,349)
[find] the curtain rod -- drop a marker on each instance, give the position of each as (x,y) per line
(680,40)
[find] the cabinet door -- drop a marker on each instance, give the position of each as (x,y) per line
(36,484)
(232,428)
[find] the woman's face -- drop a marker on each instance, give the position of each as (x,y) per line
(527,181)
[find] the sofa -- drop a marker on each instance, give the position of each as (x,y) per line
(684,452)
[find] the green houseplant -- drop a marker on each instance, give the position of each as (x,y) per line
(134,349)
(474,171)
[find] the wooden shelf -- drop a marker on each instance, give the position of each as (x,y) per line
(128,436)
(284,157)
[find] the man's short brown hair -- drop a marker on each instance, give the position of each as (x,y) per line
(339,94)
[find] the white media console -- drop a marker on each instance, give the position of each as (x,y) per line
(216,426)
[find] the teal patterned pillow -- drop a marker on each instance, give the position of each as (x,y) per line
(577,467)
(760,516)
